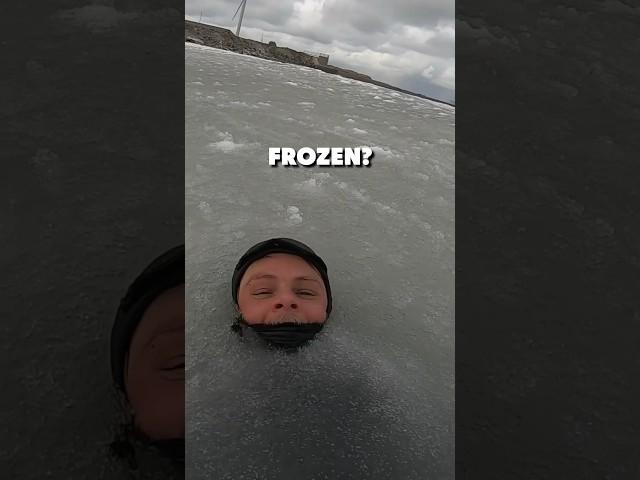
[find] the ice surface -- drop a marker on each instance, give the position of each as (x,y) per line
(372,398)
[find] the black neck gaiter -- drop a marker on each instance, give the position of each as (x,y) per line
(171,448)
(133,446)
(288,335)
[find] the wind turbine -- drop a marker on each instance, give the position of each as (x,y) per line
(243,3)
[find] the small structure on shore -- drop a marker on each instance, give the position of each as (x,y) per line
(318,58)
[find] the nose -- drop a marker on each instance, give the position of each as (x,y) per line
(285,301)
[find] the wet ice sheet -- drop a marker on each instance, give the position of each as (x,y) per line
(373,397)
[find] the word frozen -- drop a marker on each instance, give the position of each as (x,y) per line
(321,156)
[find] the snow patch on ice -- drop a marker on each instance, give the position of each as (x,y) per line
(237,103)
(385,152)
(354,192)
(205,208)
(293,215)
(227,144)
(309,185)
(314,184)
(382,208)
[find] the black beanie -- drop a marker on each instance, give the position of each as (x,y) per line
(165,272)
(280,245)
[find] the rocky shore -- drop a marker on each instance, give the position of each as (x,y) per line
(212,36)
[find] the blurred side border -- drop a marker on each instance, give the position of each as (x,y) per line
(548,244)
(92,109)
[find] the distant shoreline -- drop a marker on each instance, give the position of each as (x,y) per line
(222,38)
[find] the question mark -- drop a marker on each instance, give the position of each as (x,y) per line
(367,153)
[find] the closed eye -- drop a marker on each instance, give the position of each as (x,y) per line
(176,367)
(309,293)
(262,292)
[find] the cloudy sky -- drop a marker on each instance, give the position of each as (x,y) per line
(406,43)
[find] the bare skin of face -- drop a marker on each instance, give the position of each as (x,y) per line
(282,288)
(155,368)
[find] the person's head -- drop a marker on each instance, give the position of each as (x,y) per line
(281,287)
(154,370)
(147,348)
(282,282)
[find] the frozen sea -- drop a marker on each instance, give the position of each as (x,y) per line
(373,396)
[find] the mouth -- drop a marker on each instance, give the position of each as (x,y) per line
(289,318)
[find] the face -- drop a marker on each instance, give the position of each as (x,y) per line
(155,368)
(282,288)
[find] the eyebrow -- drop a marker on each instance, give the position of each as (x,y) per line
(309,279)
(259,276)
(162,333)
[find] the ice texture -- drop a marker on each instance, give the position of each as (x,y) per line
(373,396)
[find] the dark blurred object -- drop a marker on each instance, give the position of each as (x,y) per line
(92,133)
(164,272)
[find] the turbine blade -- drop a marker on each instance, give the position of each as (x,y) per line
(238,9)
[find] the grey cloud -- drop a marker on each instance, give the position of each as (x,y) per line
(418,83)
(370,22)
(321,36)
(419,13)
(440,45)
(96,18)
(407,29)
(365,21)
(273,13)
